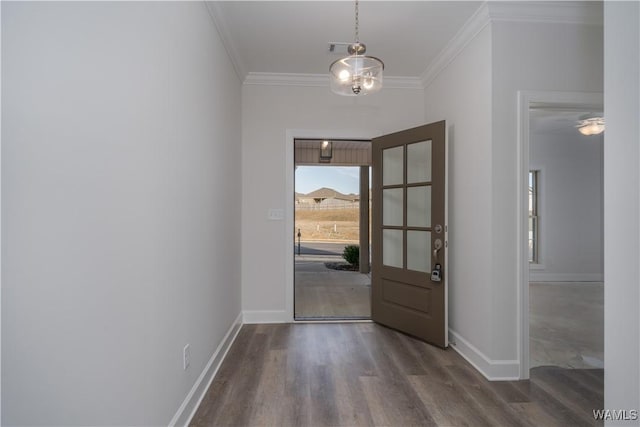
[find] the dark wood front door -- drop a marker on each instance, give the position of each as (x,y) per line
(409,233)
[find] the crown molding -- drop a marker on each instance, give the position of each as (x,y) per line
(219,21)
(468,32)
(394,82)
(585,13)
(286,79)
(321,80)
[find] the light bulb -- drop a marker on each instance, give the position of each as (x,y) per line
(368,83)
(344,75)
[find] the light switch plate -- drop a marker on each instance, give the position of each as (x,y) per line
(275,214)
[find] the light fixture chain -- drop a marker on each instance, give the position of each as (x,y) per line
(357,19)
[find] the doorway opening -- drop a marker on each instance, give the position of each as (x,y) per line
(562,236)
(566,245)
(331,229)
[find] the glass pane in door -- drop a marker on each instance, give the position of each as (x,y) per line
(419,162)
(393,166)
(419,206)
(419,251)
(392,248)
(392,205)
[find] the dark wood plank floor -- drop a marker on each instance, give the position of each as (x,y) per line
(362,374)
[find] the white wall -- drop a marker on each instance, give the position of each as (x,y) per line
(570,199)
(120,200)
(0,228)
(477,94)
(268,112)
(461,95)
(622,206)
(535,57)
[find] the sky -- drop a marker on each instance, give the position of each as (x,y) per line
(344,179)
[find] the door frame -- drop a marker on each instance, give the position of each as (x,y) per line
(289,221)
(526,99)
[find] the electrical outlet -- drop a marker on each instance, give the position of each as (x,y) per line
(186,357)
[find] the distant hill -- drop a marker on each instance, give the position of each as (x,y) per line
(325,196)
(330,193)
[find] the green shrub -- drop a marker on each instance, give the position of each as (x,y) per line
(351,254)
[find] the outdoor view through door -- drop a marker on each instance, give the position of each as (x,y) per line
(331,234)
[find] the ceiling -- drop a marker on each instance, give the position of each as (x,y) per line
(294,36)
(559,120)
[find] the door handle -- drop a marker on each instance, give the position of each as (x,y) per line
(437,245)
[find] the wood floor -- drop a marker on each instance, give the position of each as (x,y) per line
(364,374)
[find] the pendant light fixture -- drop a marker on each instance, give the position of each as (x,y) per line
(356,74)
(591,125)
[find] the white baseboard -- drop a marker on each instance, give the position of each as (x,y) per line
(535,276)
(190,404)
(266,316)
(493,370)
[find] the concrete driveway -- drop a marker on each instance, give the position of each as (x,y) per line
(321,292)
